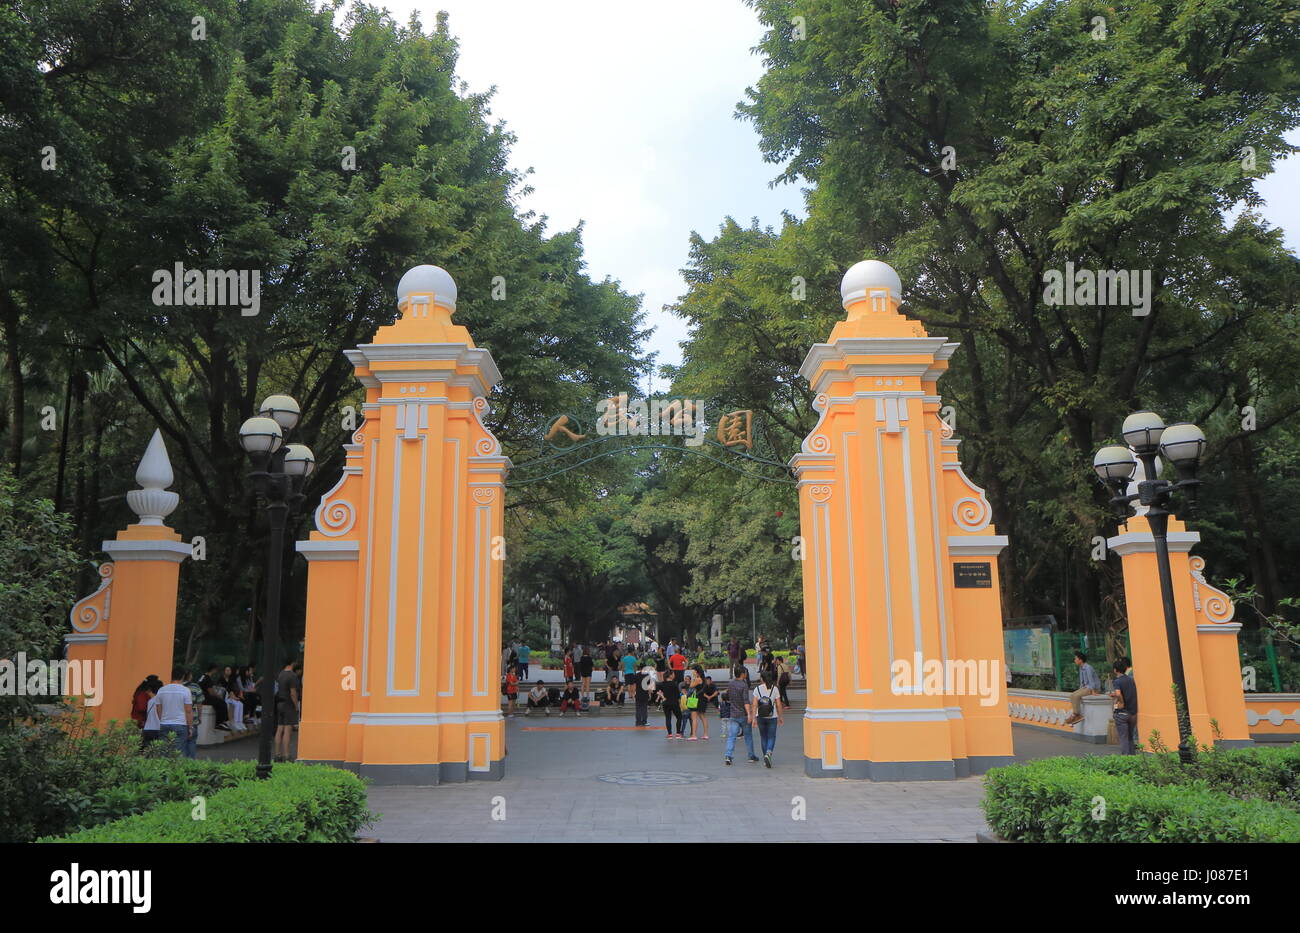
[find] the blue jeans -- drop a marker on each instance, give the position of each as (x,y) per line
(767,734)
(738,727)
(180,737)
(523,671)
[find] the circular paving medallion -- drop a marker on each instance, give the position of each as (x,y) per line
(654,778)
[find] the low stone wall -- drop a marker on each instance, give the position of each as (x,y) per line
(1048,709)
(1273,717)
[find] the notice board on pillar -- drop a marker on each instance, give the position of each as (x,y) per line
(976,574)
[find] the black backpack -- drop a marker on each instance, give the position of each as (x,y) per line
(765,705)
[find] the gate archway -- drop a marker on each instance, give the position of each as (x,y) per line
(900,573)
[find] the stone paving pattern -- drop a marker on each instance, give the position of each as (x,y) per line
(553,791)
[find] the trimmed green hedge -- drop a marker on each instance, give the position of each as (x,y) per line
(1240,795)
(300,803)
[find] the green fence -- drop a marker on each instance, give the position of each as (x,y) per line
(1275,662)
(1065,644)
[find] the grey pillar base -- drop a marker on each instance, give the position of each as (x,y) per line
(980,764)
(345,765)
(447,772)
(1076,736)
(890,770)
(1235,743)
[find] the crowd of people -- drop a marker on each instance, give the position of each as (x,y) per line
(171,711)
(661,678)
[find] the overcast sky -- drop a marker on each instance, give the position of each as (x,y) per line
(625,111)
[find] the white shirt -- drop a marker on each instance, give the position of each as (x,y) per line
(151,715)
(768,694)
(173,702)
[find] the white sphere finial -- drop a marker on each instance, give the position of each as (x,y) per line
(866,275)
(428,280)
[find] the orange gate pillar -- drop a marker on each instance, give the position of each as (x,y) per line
(902,608)
(402,654)
(1211,662)
(129,622)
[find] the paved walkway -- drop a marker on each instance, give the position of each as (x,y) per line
(598,778)
(593,779)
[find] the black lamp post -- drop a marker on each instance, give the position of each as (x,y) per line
(279,471)
(1182,444)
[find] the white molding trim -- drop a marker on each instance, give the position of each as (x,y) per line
(85,638)
(1143,542)
(932,714)
(424,719)
(455,571)
(839,751)
(170,551)
(329,550)
(887,596)
(822,353)
(1227,628)
(461,354)
(976,545)
(486,740)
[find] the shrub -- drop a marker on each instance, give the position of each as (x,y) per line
(299,803)
(1244,795)
(57,775)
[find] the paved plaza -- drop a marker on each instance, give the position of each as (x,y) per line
(601,778)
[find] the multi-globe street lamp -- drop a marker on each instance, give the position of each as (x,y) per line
(279,471)
(1182,444)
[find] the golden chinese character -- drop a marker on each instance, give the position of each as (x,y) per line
(734,428)
(559,425)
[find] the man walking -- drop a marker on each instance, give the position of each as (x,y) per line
(646,685)
(741,701)
(1089,684)
(523,653)
(288,707)
(1126,707)
(175,705)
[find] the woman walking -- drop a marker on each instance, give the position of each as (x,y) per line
(670,693)
(697,705)
(767,700)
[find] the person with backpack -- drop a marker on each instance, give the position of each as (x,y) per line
(740,707)
(768,712)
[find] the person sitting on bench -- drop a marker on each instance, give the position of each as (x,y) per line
(569,699)
(614,691)
(538,698)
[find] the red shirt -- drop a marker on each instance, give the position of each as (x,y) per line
(678,662)
(568,668)
(512,683)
